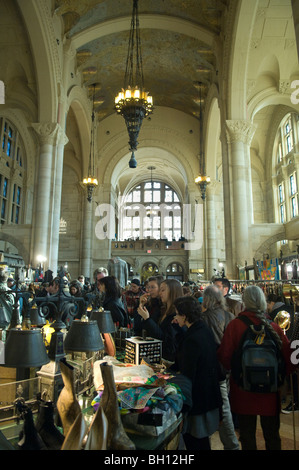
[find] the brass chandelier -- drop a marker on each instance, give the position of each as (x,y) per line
(91,181)
(133,102)
(202,179)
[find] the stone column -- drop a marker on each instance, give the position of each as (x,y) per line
(212,260)
(87,236)
(46,133)
(62,140)
(239,136)
(227,205)
(194,228)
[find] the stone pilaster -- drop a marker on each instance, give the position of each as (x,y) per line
(61,141)
(212,260)
(46,133)
(87,235)
(239,135)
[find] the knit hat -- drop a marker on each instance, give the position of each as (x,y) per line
(135,281)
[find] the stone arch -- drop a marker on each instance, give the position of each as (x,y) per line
(213,143)
(164,22)
(179,272)
(79,107)
(146,273)
(178,144)
(22,250)
(264,247)
(238,61)
(38,21)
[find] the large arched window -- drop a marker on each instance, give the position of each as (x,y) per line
(11,173)
(285,169)
(151,210)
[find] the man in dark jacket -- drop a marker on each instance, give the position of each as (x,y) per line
(233,305)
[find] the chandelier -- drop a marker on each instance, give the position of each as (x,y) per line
(91,181)
(133,102)
(202,179)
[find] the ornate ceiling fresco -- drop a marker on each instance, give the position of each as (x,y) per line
(178,39)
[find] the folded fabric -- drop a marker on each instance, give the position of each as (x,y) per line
(136,398)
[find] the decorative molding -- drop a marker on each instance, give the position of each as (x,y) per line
(284,86)
(46,132)
(47,20)
(240,131)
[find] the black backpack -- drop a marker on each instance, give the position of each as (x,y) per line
(258,365)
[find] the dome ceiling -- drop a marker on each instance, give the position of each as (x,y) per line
(178,40)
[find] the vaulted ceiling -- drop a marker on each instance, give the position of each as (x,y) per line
(178,40)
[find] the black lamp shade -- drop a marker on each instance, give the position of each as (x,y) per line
(36,318)
(25,348)
(83,336)
(104,320)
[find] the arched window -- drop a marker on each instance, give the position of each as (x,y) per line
(12,167)
(285,169)
(175,271)
(285,137)
(151,210)
(149,269)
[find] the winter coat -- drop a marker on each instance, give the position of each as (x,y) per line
(170,334)
(197,360)
(217,319)
(154,310)
(243,402)
(117,310)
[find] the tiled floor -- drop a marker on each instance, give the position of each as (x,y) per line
(289,432)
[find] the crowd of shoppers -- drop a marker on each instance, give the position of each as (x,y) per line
(200,330)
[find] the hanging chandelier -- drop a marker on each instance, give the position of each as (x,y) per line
(133,102)
(202,179)
(91,181)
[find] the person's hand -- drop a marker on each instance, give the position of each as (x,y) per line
(143,312)
(143,299)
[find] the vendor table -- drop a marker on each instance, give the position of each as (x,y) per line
(167,440)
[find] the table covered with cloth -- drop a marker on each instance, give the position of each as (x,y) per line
(150,402)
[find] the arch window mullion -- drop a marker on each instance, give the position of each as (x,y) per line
(293,195)
(161,217)
(12,173)
(286,187)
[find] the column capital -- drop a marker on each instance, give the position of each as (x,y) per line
(240,130)
(50,133)
(46,131)
(61,136)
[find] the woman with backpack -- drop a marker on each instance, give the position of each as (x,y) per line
(247,405)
